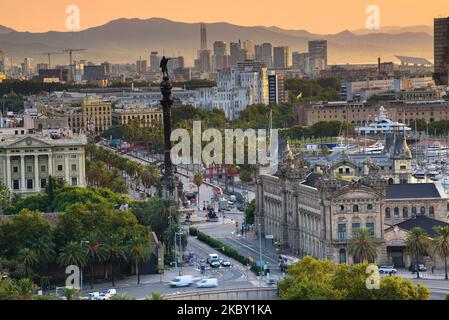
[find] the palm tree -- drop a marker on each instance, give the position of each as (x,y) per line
(198,180)
(417,243)
(28,258)
(95,252)
(25,288)
(441,245)
(139,250)
(72,254)
(363,246)
(150,176)
(115,253)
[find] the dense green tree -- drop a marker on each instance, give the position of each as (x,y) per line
(72,254)
(311,279)
(417,243)
(95,253)
(28,258)
(441,245)
(157,213)
(23,230)
(363,246)
(139,250)
(249,212)
(116,253)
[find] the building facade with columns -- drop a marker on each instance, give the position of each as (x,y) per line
(27,161)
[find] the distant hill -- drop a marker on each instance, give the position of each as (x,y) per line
(4,29)
(124,40)
(396,30)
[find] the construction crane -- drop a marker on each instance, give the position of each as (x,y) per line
(71,66)
(49,54)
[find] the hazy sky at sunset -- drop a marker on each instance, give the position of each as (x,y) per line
(321,16)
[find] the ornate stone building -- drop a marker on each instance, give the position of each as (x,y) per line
(315,209)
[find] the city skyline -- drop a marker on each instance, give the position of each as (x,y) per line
(52,14)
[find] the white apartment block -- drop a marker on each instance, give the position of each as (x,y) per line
(241,86)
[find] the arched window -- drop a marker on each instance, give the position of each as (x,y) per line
(342,208)
(370,207)
(422,211)
(396,213)
(413,212)
(387,213)
(355,208)
(405,212)
(431,211)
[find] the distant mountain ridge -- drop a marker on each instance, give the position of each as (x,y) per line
(125,40)
(4,29)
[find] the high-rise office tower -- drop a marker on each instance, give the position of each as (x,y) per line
(280,57)
(267,54)
(248,45)
(154,61)
(441,50)
(276,88)
(141,66)
(301,61)
(220,60)
(204,61)
(318,54)
(203,36)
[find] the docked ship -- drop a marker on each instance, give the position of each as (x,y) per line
(382,125)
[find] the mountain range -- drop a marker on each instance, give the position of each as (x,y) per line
(125,40)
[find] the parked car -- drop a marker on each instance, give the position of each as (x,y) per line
(387,269)
(271,281)
(226,263)
(215,263)
(181,281)
(207,283)
(103,296)
(421,268)
(92,296)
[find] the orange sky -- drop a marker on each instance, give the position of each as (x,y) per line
(320,16)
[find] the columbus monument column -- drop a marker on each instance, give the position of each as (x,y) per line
(169,187)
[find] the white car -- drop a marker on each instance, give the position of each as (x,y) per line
(387,269)
(215,263)
(181,281)
(226,263)
(207,283)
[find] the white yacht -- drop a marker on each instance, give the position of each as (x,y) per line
(376,148)
(382,125)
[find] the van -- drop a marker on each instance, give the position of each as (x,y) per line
(207,283)
(181,281)
(212,257)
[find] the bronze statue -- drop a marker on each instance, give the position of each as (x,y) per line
(164,67)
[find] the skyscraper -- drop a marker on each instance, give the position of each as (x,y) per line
(280,57)
(318,54)
(141,66)
(301,61)
(234,48)
(154,61)
(248,45)
(220,59)
(276,90)
(264,53)
(203,36)
(441,50)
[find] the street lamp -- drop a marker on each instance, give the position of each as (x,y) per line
(260,254)
(81,267)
